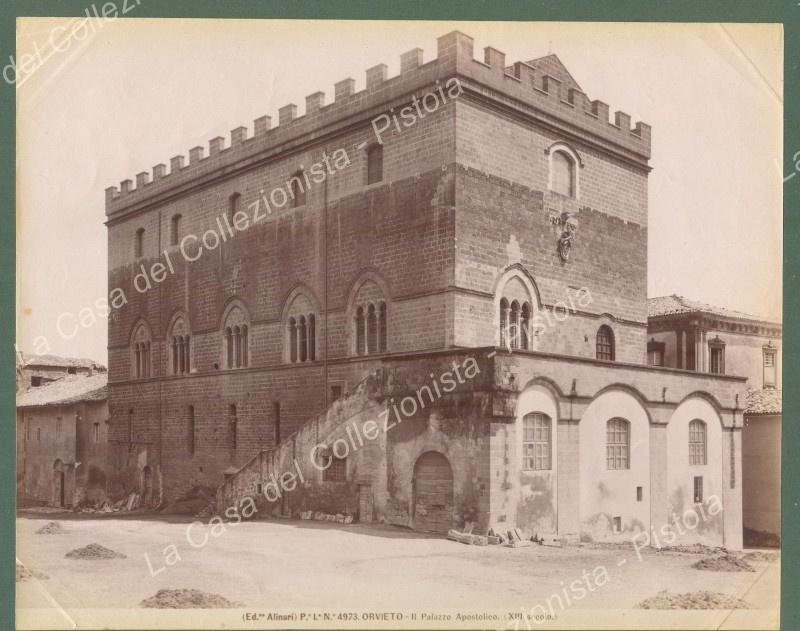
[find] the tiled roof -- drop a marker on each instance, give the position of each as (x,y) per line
(766,401)
(54,360)
(673,304)
(70,389)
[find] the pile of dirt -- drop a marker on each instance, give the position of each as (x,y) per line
(761,556)
(23,574)
(692,600)
(187,599)
(724,563)
(51,528)
(94,551)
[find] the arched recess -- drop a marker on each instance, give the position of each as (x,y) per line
(432,492)
(574,158)
(515,286)
(179,344)
(235,335)
(614,498)
(535,457)
(141,350)
(695,473)
(301,326)
(369,315)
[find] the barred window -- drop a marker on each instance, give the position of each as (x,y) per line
(697,442)
(618,442)
(337,471)
(537,442)
(605,343)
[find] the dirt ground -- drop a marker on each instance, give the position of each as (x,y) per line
(300,566)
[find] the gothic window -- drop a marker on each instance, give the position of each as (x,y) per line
(138,246)
(515,315)
(375,164)
(537,442)
(180,347)
(503,321)
(562,173)
(301,331)
(298,191)
(697,442)
(618,443)
(141,362)
(605,343)
(370,322)
(236,345)
(175,230)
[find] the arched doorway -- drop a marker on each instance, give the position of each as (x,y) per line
(58,483)
(433,493)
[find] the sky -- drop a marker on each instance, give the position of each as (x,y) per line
(114,98)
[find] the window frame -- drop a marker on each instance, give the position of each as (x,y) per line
(374,150)
(698,442)
(771,352)
(537,442)
(609,350)
(618,444)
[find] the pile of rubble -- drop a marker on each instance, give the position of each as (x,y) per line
(512,538)
(320,516)
(128,503)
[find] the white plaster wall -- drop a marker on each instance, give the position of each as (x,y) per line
(606,493)
(706,524)
(536,492)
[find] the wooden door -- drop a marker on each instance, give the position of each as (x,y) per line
(433,493)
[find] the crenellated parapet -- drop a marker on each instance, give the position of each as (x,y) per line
(520,86)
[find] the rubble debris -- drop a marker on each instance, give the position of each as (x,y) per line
(692,600)
(188,599)
(93,552)
(320,516)
(724,563)
(467,538)
(694,548)
(51,528)
(23,574)
(760,556)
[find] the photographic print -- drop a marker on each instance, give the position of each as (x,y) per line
(397,324)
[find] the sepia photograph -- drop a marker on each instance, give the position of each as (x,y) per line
(397,324)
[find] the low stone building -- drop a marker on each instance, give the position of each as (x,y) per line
(38,370)
(62,433)
(689,334)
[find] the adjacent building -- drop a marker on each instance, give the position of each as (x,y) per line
(688,334)
(62,430)
(38,370)
(459,252)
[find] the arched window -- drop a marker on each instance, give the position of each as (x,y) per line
(175,230)
(537,442)
(138,244)
(513,326)
(292,340)
(236,342)
(562,173)
(302,339)
(697,442)
(141,364)
(525,327)
(372,329)
(374,164)
(312,337)
(503,321)
(605,343)
(179,345)
(233,206)
(297,189)
(618,444)
(382,328)
(361,331)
